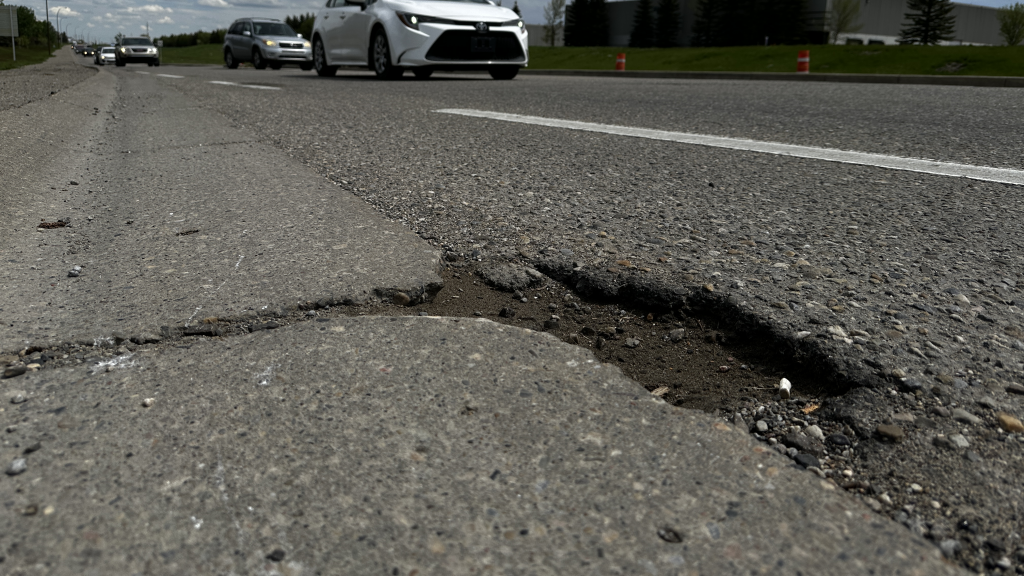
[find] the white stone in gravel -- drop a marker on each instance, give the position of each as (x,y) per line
(959,441)
(17,467)
(815,432)
(916,488)
(761,426)
(837,331)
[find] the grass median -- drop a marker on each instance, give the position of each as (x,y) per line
(199,54)
(868,59)
(26,56)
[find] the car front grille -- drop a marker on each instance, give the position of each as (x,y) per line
(472,45)
(291,45)
(140,50)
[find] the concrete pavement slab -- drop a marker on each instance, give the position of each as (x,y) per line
(175,218)
(410,445)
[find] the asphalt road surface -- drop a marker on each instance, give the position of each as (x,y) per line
(900,284)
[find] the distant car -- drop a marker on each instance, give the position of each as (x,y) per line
(105,55)
(391,36)
(265,42)
(136,49)
(89,51)
(78,48)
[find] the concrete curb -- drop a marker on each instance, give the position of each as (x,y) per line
(982,81)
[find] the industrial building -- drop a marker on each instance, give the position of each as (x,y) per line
(880,20)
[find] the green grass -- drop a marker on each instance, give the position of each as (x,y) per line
(199,54)
(26,56)
(943,60)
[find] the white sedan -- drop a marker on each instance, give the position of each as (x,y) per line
(391,36)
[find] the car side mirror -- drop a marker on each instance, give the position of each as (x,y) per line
(246,33)
(299,35)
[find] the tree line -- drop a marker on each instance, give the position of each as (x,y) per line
(31,32)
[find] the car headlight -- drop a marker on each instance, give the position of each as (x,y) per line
(268,42)
(306,44)
(414,20)
(517,23)
(122,49)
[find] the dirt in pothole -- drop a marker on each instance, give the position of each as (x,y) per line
(706,367)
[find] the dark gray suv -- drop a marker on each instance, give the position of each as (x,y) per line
(265,42)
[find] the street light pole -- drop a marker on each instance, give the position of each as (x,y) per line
(48,50)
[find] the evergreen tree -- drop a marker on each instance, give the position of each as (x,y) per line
(643,26)
(667,30)
(599,26)
(515,8)
(931,22)
(748,22)
(574,23)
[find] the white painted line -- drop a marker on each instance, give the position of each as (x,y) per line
(141,72)
(986,173)
(169,76)
(255,86)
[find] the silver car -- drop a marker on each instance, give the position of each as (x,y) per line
(266,42)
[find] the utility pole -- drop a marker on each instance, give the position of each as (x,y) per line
(147,28)
(48,27)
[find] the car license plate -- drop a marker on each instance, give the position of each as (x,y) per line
(481,44)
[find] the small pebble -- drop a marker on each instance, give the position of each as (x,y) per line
(1009,423)
(891,432)
(17,467)
(148,402)
(961,415)
(276,555)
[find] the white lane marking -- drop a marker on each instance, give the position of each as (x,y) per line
(169,76)
(986,173)
(141,72)
(256,86)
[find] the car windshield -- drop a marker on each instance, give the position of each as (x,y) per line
(136,42)
(273,29)
(107,50)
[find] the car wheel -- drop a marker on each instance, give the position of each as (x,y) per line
(229,59)
(380,58)
(275,66)
(257,59)
(150,64)
(118,63)
(157,63)
(320,59)
(422,73)
(503,72)
(306,67)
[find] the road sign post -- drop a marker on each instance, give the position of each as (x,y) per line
(9,23)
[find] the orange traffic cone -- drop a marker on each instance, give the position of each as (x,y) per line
(620,62)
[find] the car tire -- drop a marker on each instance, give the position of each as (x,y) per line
(422,73)
(503,72)
(150,64)
(229,59)
(258,62)
(306,67)
(320,59)
(118,63)
(157,63)
(380,57)
(275,66)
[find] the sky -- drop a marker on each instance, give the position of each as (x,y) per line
(100,20)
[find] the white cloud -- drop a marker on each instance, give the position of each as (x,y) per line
(214,3)
(165,20)
(149,9)
(63,11)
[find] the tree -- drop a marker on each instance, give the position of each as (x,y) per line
(666,33)
(931,22)
(553,14)
(586,23)
(515,8)
(1011,23)
(642,35)
(118,37)
(843,18)
(749,22)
